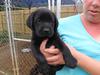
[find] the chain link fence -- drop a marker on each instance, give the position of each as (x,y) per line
(6,67)
(22,35)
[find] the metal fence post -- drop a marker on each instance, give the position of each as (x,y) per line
(11,36)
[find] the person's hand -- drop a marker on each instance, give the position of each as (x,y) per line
(52,54)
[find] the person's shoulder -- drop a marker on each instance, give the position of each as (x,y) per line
(68,22)
(70,18)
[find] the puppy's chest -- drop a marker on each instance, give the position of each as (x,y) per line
(52,42)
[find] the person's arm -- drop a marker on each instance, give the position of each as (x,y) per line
(54,57)
(90,65)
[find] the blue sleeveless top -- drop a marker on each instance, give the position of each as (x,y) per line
(72,31)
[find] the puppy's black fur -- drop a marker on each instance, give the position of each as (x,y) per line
(43,24)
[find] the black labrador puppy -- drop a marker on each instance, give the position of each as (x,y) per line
(43,24)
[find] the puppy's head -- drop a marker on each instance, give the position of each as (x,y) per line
(43,23)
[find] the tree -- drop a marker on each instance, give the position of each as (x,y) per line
(1,5)
(1,2)
(23,3)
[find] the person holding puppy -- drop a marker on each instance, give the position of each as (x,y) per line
(81,33)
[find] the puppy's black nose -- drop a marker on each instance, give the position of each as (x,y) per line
(46,31)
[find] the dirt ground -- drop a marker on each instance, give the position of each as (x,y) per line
(25,59)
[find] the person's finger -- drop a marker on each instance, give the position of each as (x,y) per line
(53,58)
(47,52)
(52,47)
(52,51)
(56,59)
(54,63)
(43,44)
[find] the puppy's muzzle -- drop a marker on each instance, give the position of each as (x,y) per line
(46,32)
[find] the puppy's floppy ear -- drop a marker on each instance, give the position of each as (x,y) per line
(30,20)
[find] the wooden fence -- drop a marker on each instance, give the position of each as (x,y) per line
(19,18)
